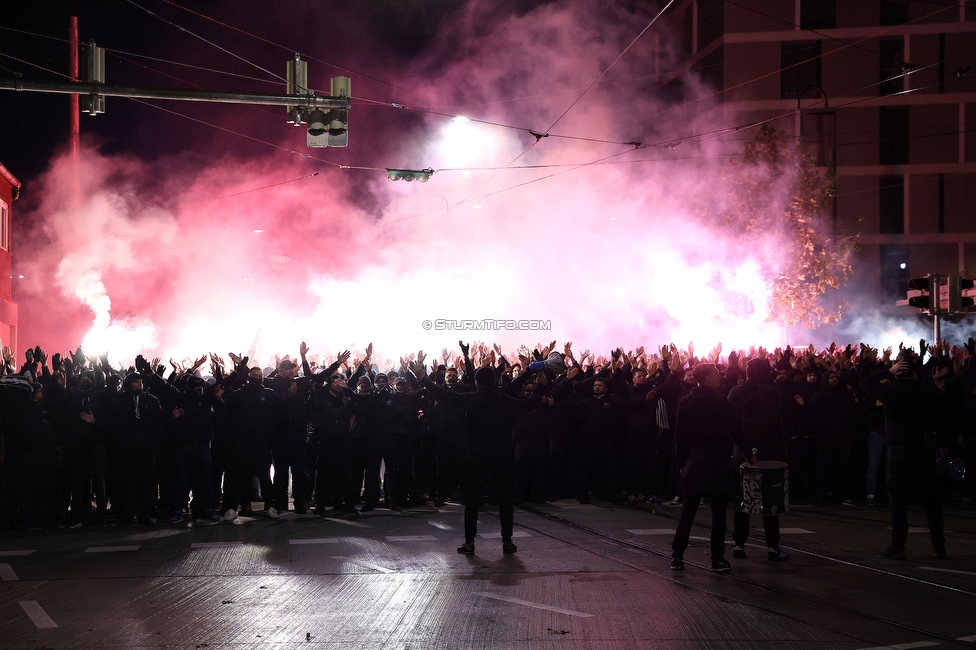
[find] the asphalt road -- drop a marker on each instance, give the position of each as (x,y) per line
(585,576)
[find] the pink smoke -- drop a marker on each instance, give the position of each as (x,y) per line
(176,258)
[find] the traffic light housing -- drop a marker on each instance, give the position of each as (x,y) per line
(937,294)
(919,293)
(963,293)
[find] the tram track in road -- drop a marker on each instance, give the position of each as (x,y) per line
(827,548)
(778,590)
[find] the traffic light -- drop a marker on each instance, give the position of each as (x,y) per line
(962,294)
(920,294)
(92,72)
(331,128)
(422,175)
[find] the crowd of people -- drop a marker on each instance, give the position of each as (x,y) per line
(84,442)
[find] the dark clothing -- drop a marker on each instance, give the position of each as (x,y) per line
(704,438)
(134,435)
(760,407)
(252,413)
(912,425)
(490,415)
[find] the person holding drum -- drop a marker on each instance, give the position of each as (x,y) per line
(704,440)
(759,404)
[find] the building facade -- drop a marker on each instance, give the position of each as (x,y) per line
(9,191)
(885,93)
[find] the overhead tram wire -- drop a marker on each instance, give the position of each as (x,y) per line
(699,137)
(237,133)
(540,135)
(824,36)
(501,125)
(34,65)
(619,56)
(120,53)
(208,42)
(283,47)
(781,69)
(266,187)
(477,120)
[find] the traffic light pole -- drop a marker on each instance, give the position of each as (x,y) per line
(937,320)
(183,94)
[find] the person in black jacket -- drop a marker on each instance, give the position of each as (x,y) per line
(253,414)
(191,432)
(910,409)
(333,410)
(704,433)
(490,448)
(134,436)
(833,416)
(759,403)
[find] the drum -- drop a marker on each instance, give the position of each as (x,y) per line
(765,488)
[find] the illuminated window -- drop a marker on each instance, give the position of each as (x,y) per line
(4,226)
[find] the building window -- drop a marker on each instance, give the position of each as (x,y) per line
(711,21)
(893,143)
(890,74)
(5,226)
(894,272)
(891,205)
(711,68)
(818,14)
(818,135)
(800,67)
(894,12)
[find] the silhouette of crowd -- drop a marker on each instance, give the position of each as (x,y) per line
(88,443)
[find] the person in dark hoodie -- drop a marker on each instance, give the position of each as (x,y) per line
(333,415)
(78,425)
(912,436)
(253,414)
(833,416)
(490,415)
(191,430)
(759,404)
(134,436)
(704,436)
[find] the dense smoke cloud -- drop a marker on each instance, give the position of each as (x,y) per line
(176,257)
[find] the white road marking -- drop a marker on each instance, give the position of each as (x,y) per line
(374,567)
(411,538)
(650,531)
(796,531)
(357,524)
(315,540)
(903,646)
(962,573)
(499,535)
(441,525)
(970,639)
(215,544)
(527,603)
(7,573)
(13,553)
(110,549)
(37,614)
